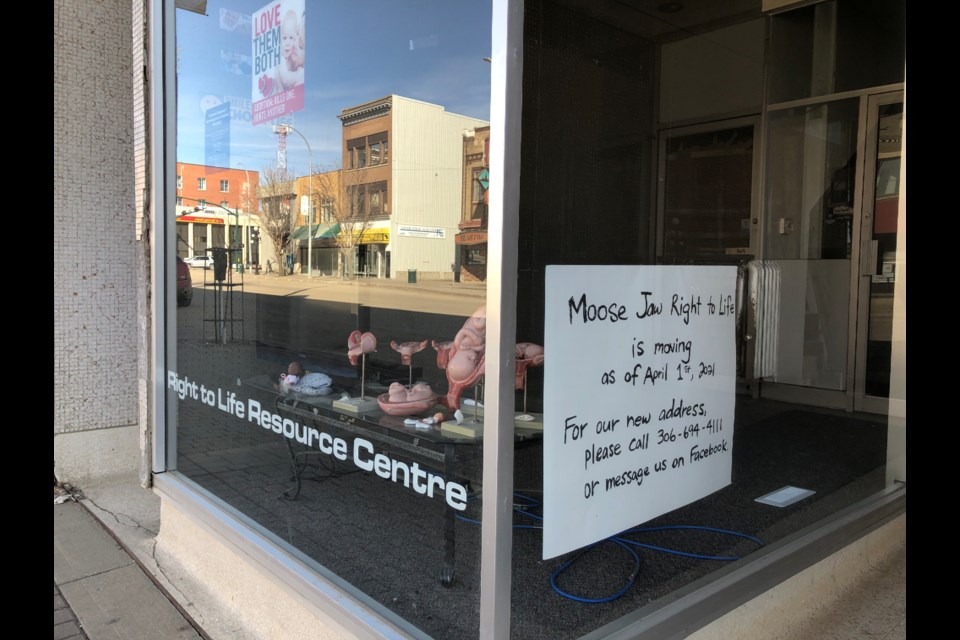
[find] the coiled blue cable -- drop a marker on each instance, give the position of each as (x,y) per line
(625,543)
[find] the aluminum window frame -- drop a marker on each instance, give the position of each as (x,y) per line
(675,616)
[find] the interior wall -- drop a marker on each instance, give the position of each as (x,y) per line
(586,151)
(726,65)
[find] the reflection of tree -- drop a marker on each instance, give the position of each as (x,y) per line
(353,205)
(276,191)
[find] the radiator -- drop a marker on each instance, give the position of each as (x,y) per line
(763,283)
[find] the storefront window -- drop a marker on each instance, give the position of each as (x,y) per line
(665,459)
(327,382)
(835,46)
(693,379)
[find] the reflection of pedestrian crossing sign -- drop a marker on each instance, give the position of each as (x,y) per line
(484,179)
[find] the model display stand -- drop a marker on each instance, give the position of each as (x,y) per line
(470,423)
(528,354)
(465,430)
(359,346)
(357,406)
(531,421)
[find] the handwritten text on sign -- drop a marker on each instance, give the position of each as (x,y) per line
(638,395)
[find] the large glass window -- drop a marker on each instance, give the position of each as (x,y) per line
(646,482)
(327,376)
(342,418)
(835,46)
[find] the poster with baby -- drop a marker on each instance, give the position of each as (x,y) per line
(279,46)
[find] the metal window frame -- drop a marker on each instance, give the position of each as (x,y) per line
(674,617)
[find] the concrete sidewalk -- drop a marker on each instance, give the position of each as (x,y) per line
(99,591)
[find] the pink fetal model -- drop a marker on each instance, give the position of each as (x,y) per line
(443,353)
(407,349)
(527,354)
(359,344)
(401,401)
(465,364)
(399,393)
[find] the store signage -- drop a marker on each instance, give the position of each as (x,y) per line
(360,451)
(279,55)
(471,237)
(639,386)
(200,219)
(421,232)
(216,129)
(374,237)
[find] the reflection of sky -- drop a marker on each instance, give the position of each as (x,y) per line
(357,51)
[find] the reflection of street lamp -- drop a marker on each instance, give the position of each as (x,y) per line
(287,128)
(245,206)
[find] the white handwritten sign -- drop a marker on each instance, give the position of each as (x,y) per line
(639,387)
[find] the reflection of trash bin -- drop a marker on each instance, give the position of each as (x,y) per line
(412,276)
(240,268)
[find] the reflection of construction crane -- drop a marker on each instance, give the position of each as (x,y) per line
(281,131)
(280,128)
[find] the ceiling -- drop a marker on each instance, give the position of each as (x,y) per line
(666,20)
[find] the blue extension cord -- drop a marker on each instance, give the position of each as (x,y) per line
(619,540)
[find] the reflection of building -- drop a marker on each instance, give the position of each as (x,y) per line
(472,239)
(322,224)
(216,207)
(402,168)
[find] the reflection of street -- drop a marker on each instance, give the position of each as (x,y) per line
(382,538)
(434,296)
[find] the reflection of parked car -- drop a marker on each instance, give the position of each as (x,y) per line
(184,284)
(204,262)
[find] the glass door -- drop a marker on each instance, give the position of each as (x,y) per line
(808,241)
(706,193)
(878,233)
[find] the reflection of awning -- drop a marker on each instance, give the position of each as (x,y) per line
(471,237)
(373,236)
(319,231)
(200,219)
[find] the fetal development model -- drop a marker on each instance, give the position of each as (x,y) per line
(402,401)
(443,353)
(466,356)
(399,393)
(407,349)
(359,344)
(527,354)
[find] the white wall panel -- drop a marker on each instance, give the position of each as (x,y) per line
(427,179)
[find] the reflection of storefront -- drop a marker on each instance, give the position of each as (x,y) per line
(371,247)
(324,250)
(331,241)
(197,233)
(472,248)
(471,241)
